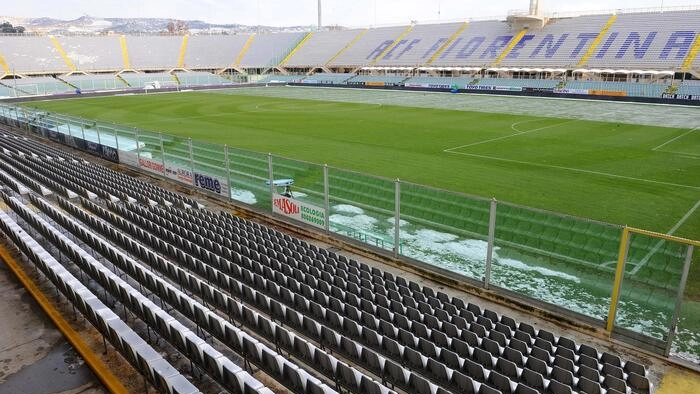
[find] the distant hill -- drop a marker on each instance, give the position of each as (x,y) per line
(96,25)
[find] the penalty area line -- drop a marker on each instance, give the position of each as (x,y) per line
(656,247)
(579,170)
(674,139)
(513,127)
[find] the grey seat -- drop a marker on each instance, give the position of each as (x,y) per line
(639,384)
(611,359)
(463,383)
(414,359)
(438,371)
(613,371)
(556,387)
(532,379)
(507,368)
(612,382)
(500,382)
(588,386)
(562,375)
(418,384)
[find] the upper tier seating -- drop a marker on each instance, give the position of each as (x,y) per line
(213,52)
(624,41)
(368,47)
(321,47)
(269,49)
(93,53)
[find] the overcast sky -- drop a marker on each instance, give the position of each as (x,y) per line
(303,12)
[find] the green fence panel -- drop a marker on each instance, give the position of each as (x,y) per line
(248,174)
(126,139)
(209,158)
(150,145)
(560,260)
(444,229)
(650,285)
(362,207)
(686,342)
(308,179)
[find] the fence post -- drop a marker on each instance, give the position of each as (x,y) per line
(679,300)
(99,139)
(116,137)
(619,274)
(138,147)
(397,218)
(82,130)
(69,133)
(191,158)
(271,180)
(491,240)
(228,171)
(326,198)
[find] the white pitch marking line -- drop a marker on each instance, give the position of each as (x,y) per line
(511,135)
(656,247)
(674,139)
(577,170)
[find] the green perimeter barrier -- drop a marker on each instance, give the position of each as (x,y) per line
(628,280)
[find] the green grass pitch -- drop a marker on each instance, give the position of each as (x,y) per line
(605,171)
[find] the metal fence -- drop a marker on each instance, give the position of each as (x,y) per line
(632,282)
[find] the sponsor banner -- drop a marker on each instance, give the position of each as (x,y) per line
(129,158)
(538,90)
(571,91)
(694,97)
(607,93)
(375,83)
(211,183)
(310,81)
(152,165)
(56,136)
(93,148)
(479,87)
(508,88)
(79,143)
(428,85)
(499,88)
(177,173)
(297,210)
(109,153)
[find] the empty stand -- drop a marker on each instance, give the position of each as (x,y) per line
(313,320)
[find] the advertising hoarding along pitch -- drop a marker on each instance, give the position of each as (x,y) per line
(298,210)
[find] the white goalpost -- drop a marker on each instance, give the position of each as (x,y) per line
(156,85)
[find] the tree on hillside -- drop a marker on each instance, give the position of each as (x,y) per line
(6,27)
(178,27)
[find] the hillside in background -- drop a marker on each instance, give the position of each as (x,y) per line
(96,25)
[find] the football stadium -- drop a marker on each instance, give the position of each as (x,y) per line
(499,205)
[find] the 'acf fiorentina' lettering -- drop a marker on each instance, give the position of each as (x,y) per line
(615,44)
(207,182)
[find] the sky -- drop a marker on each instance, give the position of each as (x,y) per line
(303,12)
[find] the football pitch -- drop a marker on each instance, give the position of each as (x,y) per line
(625,164)
(642,175)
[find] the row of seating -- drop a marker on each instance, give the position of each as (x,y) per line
(199,351)
(205,319)
(142,223)
(141,355)
(202,287)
